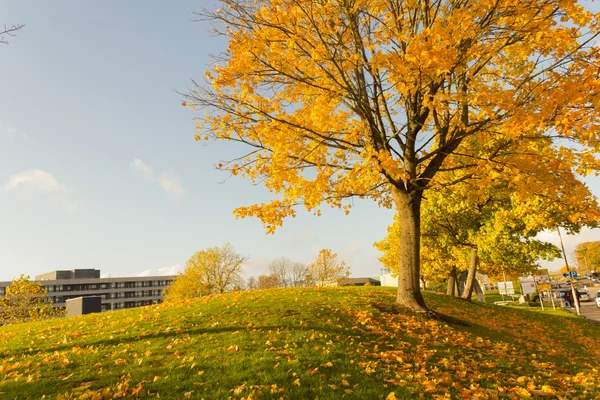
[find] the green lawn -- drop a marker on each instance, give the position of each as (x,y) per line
(302,344)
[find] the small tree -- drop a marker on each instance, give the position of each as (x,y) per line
(214,270)
(281,268)
(288,273)
(327,269)
(268,281)
(25,301)
(252,283)
(298,274)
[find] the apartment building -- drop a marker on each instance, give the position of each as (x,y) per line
(116,293)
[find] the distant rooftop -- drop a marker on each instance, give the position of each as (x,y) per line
(69,274)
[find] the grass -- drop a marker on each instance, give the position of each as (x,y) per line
(494,295)
(302,343)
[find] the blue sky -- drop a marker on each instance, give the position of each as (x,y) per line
(98,165)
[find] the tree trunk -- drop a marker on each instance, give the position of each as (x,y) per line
(452,289)
(468,292)
(408,206)
(456,287)
(424,282)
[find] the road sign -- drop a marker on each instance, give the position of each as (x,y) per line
(571,274)
(544,286)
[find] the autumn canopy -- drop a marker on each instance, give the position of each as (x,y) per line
(385,99)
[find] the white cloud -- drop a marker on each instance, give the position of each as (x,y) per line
(166,271)
(171,183)
(40,182)
(169,180)
(141,168)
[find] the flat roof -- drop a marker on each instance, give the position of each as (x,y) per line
(97,280)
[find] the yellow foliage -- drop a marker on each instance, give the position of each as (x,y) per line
(25,301)
(327,270)
(214,270)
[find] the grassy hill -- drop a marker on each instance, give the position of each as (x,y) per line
(302,344)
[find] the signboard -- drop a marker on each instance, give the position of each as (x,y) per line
(544,286)
(506,288)
(528,284)
(571,274)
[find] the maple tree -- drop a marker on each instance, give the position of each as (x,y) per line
(214,270)
(327,269)
(25,301)
(587,255)
(376,97)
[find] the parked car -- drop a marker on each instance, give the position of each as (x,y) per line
(598,299)
(584,296)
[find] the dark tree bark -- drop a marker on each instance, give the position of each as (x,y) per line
(452,289)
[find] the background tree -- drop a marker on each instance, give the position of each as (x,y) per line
(214,270)
(282,269)
(298,274)
(25,301)
(376,96)
(252,283)
(327,269)
(288,273)
(268,281)
(587,255)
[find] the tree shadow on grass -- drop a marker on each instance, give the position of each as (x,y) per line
(392,308)
(174,333)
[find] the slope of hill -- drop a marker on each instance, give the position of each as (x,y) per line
(302,344)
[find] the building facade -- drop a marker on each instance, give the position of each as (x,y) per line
(116,293)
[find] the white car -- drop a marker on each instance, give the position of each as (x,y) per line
(598,298)
(584,296)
